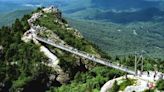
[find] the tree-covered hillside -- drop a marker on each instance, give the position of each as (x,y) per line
(144,15)
(22,65)
(121,4)
(124,39)
(6,19)
(129,12)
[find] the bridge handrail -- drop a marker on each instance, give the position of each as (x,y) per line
(86,55)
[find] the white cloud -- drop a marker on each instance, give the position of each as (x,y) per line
(32,5)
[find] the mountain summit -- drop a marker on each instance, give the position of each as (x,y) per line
(42,53)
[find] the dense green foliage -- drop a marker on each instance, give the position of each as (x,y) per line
(48,20)
(121,87)
(20,62)
(90,81)
(160,85)
(148,63)
(115,87)
(107,35)
(149,90)
(21,66)
(124,39)
(66,60)
(126,82)
(110,40)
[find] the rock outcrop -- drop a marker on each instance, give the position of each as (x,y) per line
(79,64)
(53,61)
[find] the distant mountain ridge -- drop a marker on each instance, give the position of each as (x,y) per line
(122,4)
(9,18)
(149,14)
(112,18)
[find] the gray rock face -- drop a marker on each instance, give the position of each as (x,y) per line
(63,78)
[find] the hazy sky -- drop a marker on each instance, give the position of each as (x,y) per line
(6,5)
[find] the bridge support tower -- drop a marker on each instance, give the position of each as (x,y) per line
(139,65)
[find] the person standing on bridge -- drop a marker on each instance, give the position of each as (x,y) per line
(155,74)
(148,74)
(161,76)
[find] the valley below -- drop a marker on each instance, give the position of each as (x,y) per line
(124,39)
(82,46)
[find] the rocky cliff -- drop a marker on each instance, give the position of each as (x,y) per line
(27,65)
(49,23)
